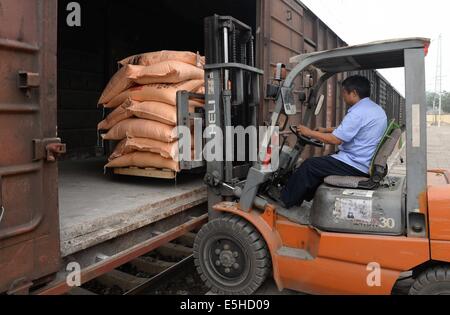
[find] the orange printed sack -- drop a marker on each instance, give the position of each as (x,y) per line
(164,72)
(130,145)
(118,115)
(164,113)
(168,72)
(142,128)
(144,160)
(120,82)
(164,93)
(148,59)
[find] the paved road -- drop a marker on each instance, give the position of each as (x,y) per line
(439,147)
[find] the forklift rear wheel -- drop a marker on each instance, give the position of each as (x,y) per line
(434,281)
(231,256)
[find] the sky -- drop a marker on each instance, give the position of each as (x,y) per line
(362,21)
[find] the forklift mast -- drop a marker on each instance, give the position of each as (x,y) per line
(232,100)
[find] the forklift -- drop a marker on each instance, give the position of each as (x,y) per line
(358,235)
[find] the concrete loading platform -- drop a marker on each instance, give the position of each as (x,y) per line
(96,208)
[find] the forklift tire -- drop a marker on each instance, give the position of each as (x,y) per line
(434,281)
(231,256)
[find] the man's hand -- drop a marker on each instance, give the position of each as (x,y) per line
(326,137)
(325,130)
(305,131)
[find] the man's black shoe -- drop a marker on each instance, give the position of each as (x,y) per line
(275,195)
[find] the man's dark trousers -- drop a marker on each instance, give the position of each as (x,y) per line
(310,175)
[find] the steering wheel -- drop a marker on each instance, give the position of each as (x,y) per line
(306,140)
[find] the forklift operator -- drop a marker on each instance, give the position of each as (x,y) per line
(357,137)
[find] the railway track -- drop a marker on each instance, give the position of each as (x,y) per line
(167,270)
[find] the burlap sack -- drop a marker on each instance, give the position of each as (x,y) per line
(164,93)
(164,113)
(168,72)
(152,58)
(164,72)
(142,128)
(120,82)
(130,145)
(201,90)
(118,115)
(144,160)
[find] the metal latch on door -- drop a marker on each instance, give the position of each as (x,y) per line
(48,149)
(28,80)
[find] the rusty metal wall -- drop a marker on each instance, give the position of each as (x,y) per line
(289,28)
(29,224)
(390,99)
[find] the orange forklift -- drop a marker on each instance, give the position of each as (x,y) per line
(359,235)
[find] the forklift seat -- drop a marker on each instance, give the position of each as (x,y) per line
(378,169)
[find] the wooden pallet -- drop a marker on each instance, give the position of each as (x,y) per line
(146,172)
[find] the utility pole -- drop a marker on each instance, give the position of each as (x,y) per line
(438,84)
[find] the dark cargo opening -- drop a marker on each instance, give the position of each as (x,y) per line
(91,202)
(110,31)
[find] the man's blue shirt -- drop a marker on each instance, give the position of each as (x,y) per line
(361,132)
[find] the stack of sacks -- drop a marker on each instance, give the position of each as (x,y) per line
(142,95)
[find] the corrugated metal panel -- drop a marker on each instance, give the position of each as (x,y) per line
(29,229)
(289,29)
(382,92)
(283,37)
(293,30)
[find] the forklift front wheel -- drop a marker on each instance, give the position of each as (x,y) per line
(231,256)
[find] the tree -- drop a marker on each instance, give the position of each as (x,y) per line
(431,97)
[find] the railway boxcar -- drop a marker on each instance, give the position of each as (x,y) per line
(59,56)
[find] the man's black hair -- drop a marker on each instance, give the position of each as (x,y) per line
(359,84)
